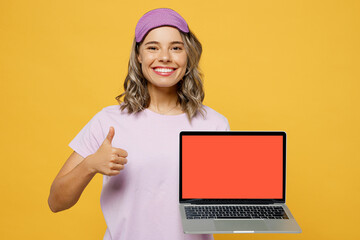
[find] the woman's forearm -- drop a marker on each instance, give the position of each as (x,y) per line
(66,190)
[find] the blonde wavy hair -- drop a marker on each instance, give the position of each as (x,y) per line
(189,89)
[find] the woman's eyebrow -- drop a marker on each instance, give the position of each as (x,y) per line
(155,42)
(177,42)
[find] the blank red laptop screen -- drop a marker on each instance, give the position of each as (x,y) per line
(232,167)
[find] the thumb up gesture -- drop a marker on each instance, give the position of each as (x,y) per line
(108,160)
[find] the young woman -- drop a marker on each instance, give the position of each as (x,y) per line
(135,145)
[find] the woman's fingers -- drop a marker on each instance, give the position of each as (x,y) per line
(119,160)
(113,172)
(108,160)
(120,152)
(117,166)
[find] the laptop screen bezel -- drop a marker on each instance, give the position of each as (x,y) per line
(232,133)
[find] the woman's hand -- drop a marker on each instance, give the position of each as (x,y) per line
(107,160)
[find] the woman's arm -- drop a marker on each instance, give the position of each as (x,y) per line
(71,181)
(77,172)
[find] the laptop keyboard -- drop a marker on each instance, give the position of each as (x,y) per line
(235,212)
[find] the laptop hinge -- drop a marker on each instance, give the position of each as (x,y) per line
(224,201)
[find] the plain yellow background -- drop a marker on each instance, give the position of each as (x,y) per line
(268,65)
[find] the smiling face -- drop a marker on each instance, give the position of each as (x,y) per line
(163,57)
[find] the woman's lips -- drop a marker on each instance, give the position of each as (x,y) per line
(164,73)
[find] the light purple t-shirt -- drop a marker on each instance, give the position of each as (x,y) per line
(142,201)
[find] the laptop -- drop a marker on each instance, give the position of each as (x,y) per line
(234,182)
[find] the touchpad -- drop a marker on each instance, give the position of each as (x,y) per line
(240,225)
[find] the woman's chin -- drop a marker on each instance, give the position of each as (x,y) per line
(164,84)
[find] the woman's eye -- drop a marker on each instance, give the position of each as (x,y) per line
(177,48)
(152,48)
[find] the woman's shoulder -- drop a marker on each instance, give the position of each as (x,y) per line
(110,111)
(211,113)
(114,109)
(215,117)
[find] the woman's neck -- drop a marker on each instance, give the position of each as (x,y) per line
(164,100)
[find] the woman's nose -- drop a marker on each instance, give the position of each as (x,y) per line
(164,56)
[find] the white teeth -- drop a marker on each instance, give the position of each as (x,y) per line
(164,70)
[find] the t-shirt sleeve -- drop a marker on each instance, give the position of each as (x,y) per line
(227,127)
(89,139)
(224,126)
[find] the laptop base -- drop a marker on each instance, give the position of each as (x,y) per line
(216,226)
